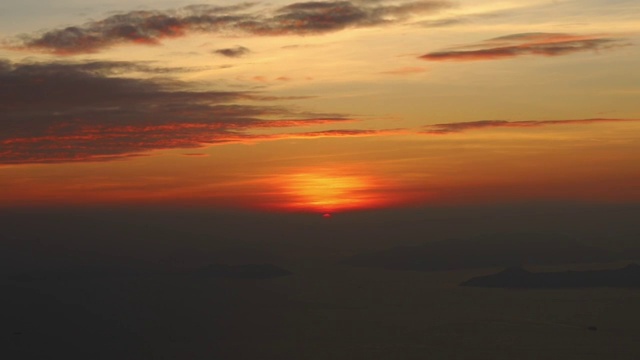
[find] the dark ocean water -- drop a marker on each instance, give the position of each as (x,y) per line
(323,311)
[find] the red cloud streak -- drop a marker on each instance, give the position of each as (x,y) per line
(541,44)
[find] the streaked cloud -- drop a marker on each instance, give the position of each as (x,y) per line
(62,112)
(458,19)
(451,128)
(151,27)
(252,138)
(101,110)
(540,44)
(320,17)
(349,132)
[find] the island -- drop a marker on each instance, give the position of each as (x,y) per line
(517,277)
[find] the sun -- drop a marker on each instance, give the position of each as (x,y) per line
(327,193)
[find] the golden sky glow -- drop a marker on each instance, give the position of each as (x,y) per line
(319,106)
(326,193)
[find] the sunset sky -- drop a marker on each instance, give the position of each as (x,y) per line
(318,107)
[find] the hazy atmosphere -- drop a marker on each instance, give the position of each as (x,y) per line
(361,179)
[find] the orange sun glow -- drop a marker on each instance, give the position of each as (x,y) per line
(325,193)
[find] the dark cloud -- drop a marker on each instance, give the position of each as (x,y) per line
(317,17)
(543,44)
(449,128)
(61,86)
(136,27)
(96,67)
(61,112)
(234,52)
(150,27)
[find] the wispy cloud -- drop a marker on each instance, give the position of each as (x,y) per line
(252,138)
(458,20)
(235,52)
(349,132)
(320,17)
(407,70)
(151,27)
(541,44)
(61,112)
(450,128)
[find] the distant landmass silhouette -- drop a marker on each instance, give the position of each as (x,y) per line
(485,251)
(517,277)
(248,271)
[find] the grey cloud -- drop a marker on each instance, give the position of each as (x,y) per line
(62,112)
(459,127)
(234,52)
(150,27)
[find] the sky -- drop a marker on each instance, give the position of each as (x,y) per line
(320,107)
